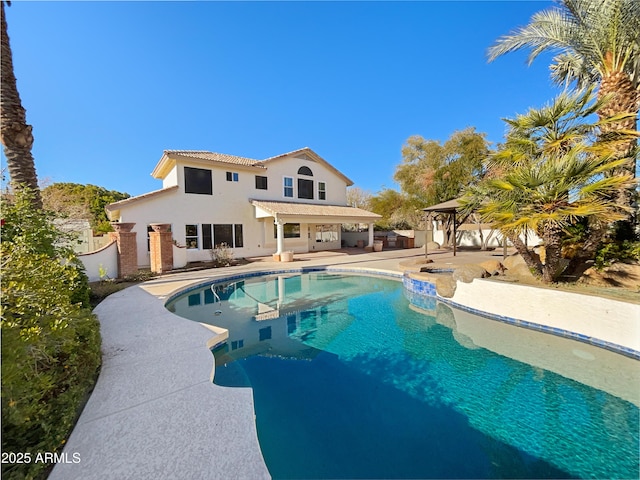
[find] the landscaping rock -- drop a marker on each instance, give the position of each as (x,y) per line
(467,273)
(414,265)
(520,271)
(513,260)
(494,267)
(445,285)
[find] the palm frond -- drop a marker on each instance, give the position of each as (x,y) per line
(592,38)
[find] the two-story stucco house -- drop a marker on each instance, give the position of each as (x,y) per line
(295,202)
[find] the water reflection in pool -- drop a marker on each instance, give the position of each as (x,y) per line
(352,380)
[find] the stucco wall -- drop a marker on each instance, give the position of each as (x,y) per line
(179,256)
(336,187)
(106,259)
(469,236)
(229,204)
(609,320)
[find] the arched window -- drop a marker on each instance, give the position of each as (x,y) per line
(305,171)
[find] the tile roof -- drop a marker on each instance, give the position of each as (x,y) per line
(163,166)
(216,157)
(315,210)
(310,155)
(293,152)
(126,201)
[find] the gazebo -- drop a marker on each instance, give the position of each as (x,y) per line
(450,207)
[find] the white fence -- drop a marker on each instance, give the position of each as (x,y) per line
(468,235)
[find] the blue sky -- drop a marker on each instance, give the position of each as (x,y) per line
(109,85)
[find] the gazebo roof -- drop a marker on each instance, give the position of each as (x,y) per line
(450,206)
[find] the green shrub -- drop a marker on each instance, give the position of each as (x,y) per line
(50,340)
(611,252)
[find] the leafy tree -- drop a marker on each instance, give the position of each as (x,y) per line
(432,172)
(396,209)
(356,197)
(16,135)
(549,176)
(73,200)
(50,339)
(597,43)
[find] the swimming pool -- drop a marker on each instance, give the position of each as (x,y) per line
(351,380)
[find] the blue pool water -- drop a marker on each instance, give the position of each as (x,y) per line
(351,380)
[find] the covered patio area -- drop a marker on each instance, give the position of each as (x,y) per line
(322,222)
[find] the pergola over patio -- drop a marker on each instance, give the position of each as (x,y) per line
(450,207)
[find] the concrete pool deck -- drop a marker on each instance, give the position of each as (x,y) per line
(154,412)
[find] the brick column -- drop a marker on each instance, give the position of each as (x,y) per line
(161,246)
(127,248)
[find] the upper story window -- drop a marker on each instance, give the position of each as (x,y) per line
(305,188)
(322,191)
(261,182)
(305,185)
(288,186)
(232,176)
(197,180)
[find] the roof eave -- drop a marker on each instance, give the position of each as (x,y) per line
(163,167)
(117,206)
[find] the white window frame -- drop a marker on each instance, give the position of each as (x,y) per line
(285,187)
(322,191)
(188,237)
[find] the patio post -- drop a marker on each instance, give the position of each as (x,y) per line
(427,228)
(370,235)
(455,232)
(280,236)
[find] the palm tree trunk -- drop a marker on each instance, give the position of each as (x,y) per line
(14,132)
(552,252)
(623,98)
(527,255)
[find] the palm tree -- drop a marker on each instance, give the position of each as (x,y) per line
(15,133)
(550,175)
(598,42)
